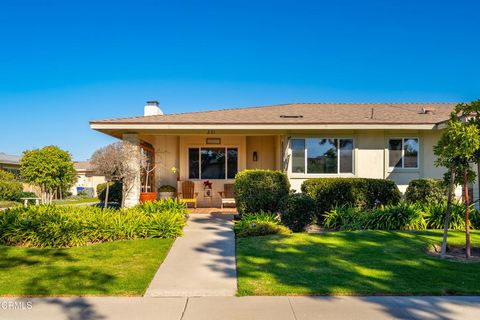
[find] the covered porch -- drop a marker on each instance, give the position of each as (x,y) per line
(211,157)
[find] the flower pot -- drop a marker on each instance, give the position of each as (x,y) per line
(148,196)
(166,195)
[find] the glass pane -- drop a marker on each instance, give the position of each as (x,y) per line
(346,156)
(213,163)
(193,158)
(322,156)
(410,147)
(395,153)
(298,155)
(232,162)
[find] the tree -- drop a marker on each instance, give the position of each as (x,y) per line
(119,161)
(10,188)
(456,150)
(50,168)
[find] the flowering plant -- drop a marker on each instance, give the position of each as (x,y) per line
(207,184)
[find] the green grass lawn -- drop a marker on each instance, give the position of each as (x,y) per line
(76,201)
(8,204)
(113,268)
(353,263)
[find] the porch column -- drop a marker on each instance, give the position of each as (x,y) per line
(132,196)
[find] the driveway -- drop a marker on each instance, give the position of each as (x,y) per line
(201,262)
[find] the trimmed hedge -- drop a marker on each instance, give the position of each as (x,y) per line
(114,192)
(299,212)
(257,190)
(10,188)
(329,193)
(63,226)
(426,190)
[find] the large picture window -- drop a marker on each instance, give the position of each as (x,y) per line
(212,163)
(322,156)
(403,153)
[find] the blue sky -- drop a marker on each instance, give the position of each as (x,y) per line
(63,63)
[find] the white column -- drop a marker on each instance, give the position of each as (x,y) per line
(132,196)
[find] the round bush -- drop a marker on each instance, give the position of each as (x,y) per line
(299,212)
(257,190)
(10,188)
(114,192)
(426,191)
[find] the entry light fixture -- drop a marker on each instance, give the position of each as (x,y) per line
(255,156)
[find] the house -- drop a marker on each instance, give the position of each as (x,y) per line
(10,163)
(87,179)
(306,140)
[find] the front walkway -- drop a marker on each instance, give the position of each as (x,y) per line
(201,262)
(252,308)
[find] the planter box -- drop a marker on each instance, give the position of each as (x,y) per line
(148,196)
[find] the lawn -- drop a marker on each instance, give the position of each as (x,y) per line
(353,263)
(113,268)
(8,204)
(75,201)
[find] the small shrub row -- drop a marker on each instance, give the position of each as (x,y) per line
(405,216)
(363,193)
(61,226)
(259,224)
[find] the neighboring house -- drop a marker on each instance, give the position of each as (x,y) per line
(88,179)
(306,140)
(10,163)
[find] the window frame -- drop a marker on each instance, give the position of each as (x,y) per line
(199,148)
(338,173)
(403,153)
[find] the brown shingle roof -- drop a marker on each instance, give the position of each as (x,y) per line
(306,113)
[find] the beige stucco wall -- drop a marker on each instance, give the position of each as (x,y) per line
(266,148)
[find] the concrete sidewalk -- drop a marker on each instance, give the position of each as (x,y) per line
(201,262)
(251,308)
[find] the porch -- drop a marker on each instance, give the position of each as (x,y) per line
(204,157)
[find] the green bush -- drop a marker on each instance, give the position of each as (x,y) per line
(259,224)
(63,226)
(167,188)
(426,191)
(435,216)
(114,192)
(401,217)
(344,218)
(329,193)
(257,190)
(298,213)
(10,188)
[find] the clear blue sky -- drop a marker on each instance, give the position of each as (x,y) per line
(63,63)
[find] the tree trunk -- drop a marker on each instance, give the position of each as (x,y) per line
(105,205)
(451,185)
(60,190)
(467,227)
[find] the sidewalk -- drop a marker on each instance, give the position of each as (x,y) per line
(251,308)
(201,262)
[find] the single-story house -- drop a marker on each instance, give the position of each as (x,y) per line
(87,179)
(306,140)
(10,163)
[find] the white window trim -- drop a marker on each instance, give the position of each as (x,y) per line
(403,154)
(200,160)
(313,175)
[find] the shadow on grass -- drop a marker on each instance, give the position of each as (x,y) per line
(46,278)
(354,263)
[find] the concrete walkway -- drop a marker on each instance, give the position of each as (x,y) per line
(233,308)
(201,262)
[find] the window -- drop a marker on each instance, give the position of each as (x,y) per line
(403,153)
(322,155)
(212,163)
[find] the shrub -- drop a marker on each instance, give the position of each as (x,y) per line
(257,190)
(344,218)
(84,194)
(298,213)
(259,224)
(10,188)
(63,226)
(167,188)
(329,193)
(426,191)
(435,216)
(401,217)
(114,192)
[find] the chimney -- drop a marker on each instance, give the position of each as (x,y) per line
(152,109)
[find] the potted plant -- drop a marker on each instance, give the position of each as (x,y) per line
(166,192)
(148,168)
